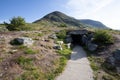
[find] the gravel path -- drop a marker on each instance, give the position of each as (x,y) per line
(78,67)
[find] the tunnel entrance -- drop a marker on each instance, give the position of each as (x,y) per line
(76,39)
(75,36)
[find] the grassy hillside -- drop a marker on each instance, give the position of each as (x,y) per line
(93,23)
(57,19)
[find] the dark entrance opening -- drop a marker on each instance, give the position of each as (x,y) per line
(76,39)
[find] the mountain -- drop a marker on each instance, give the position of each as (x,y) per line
(58,18)
(93,23)
(61,18)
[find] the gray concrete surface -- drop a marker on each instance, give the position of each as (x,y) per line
(78,67)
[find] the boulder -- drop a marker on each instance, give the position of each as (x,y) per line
(69,45)
(27,41)
(116,54)
(58,47)
(111,60)
(84,39)
(22,41)
(68,40)
(17,41)
(92,46)
(60,42)
(53,36)
(118,69)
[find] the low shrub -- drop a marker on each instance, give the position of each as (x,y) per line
(103,37)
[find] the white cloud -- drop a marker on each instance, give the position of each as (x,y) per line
(106,11)
(83,8)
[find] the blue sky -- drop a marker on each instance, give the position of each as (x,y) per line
(106,11)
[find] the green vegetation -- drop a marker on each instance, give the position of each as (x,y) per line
(62,25)
(111,71)
(108,77)
(30,51)
(40,34)
(1,59)
(16,23)
(31,75)
(103,37)
(3,28)
(25,63)
(65,55)
(94,62)
(61,35)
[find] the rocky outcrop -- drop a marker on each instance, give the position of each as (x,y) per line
(92,46)
(114,60)
(84,37)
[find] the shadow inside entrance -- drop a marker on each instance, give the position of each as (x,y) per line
(76,39)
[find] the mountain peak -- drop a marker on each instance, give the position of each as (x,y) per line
(58,18)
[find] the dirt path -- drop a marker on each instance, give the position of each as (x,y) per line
(78,67)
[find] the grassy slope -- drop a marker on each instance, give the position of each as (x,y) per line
(35,62)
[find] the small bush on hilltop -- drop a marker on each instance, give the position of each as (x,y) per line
(16,23)
(103,37)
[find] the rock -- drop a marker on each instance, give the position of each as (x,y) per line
(84,40)
(114,60)
(68,45)
(17,41)
(6,68)
(22,40)
(60,42)
(92,47)
(53,36)
(118,69)
(1,74)
(46,40)
(58,47)
(111,60)
(90,36)
(116,54)
(68,39)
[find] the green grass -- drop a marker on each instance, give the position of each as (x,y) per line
(65,53)
(30,51)
(31,75)
(93,62)
(25,63)
(40,34)
(108,77)
(103,37)
(65,56)
(1,59)
(61,35)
